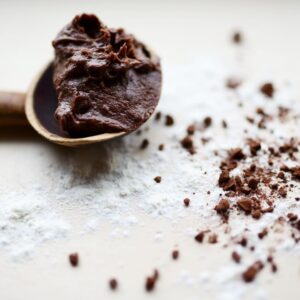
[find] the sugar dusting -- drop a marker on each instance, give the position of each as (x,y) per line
(114,182)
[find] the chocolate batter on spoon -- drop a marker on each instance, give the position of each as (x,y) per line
(106,81)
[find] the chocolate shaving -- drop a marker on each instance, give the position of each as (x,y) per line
(169,121)
(161,147)
(113,283)
(207,122)
(223,206)
(237,37)
(200,236)
(213,238)
(151,281)
(263,233)
(157,179)
(175,254)
(250,274)
(233,83)
(188,144)
(144,144)
(186,202)
(236,257)
(245,204)
(191,129)
(254,146)
(267,89)
(158,116)
(236,154)
(74,259)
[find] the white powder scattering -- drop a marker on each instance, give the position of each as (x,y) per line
(26,221)
(114,182)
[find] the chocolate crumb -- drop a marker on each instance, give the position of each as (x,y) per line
(256,214)
(186,202)
(150,284)
(261,112)
(236,257)
(274,268)
(157,179)
(252,168)
(236,154)
(224,124)
(250,274)
(263,233)
(113,283)
(282,192)
(245,204)
(207,122)
(223,206)
(74,259)
(169,121)
(254,146)
(191,129)
(224,177)
(188,144)
(144,144)
(233,83)
(237,37)
(253,183)
(151,281)
(161,147)
(267,89)
(250,120)
(200,236)
(175,254)
(205,140)
(295,172)
(243,242)
(158,116)
(213,238)
(292,217)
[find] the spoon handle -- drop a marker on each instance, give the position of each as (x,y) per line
(12,109)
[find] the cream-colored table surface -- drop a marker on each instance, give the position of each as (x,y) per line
(178,31)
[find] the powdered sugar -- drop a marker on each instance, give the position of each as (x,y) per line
(27,221)
(113,182)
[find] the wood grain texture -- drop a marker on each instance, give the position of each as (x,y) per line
(12,109)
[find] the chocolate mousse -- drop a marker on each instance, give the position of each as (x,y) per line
(106,81)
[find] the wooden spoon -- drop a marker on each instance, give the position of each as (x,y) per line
(37,107)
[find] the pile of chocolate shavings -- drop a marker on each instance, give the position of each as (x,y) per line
(254,180)
(261,117)
(257,186)
(188,142)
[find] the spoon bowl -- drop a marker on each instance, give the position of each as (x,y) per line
(40,105)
